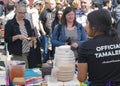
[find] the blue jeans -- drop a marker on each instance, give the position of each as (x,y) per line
(45,48)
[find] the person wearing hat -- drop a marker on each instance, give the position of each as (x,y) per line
(36,2)
(35,16)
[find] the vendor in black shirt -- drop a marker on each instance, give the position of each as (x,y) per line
(99,57)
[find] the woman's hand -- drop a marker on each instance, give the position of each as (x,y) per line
(21,37)
(74,45)
(29,38)
(16,37)
(32,41)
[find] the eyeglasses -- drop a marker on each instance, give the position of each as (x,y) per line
(60,13)
(40,4)
(72,14)
(22,12)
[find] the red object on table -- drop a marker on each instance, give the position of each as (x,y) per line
(16,71)
(2,31)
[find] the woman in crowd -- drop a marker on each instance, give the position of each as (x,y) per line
(70,32)
(99,57)
(57,19)
(18,34)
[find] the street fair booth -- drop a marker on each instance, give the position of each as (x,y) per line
(62,72)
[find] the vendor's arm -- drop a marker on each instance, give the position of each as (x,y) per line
(83,62)
(82,72)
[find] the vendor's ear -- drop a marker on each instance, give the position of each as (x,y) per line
(93,30)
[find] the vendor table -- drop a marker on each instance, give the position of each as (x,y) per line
(73,82)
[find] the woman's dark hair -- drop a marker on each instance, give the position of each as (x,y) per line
(96,4)
(105,2)
(65,12)
(102,22)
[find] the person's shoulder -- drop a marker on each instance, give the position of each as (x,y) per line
(79,25)
(33,11)
(91,42)
(43,14)
(85,45)
(44,11)
(26,21)
(11,21)
(58,25)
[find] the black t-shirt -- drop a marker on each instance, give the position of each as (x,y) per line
(102,53)
(47,16)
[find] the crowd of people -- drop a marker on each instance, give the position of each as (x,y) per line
(91,29)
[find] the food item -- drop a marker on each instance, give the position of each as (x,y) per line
(64,63)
